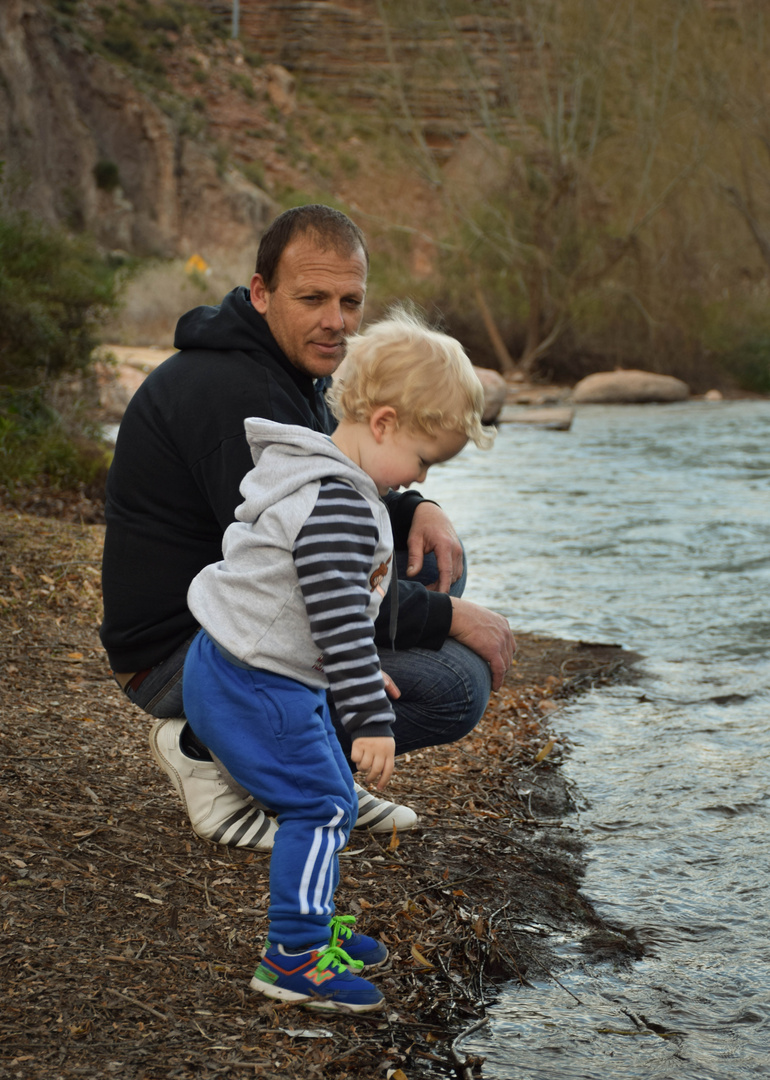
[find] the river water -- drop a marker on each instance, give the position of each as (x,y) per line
(648,527)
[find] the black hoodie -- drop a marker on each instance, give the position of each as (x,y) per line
(174,482)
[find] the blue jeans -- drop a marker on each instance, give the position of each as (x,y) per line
(444,692)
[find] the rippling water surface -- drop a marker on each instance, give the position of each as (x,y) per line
(649,527)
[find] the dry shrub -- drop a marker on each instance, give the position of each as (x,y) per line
(158,293)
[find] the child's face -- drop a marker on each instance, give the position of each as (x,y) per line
(402,457)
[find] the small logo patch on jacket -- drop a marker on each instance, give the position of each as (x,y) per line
(378,576)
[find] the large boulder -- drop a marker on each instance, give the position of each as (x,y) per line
(629,388)
(495,390)
(553,419)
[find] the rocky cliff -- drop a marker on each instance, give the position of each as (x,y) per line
(418,61)
(82,145)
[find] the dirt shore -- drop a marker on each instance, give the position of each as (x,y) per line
(128,943)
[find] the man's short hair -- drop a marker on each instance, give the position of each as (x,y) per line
(421,373)
(331,228)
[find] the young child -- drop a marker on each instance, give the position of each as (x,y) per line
(289,612)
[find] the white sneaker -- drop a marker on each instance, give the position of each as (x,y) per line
(379,815)
(216,812)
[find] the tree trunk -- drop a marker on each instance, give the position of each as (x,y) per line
(535,289)
(506,361)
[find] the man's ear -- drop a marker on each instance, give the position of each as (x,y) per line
(259,294)
(383,421)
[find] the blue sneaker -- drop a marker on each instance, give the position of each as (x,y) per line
(359,947)
(318,979)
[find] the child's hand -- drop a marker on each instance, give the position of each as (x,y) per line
(375,757)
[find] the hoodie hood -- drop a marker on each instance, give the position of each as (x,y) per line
(229,325)
(286,457)
(251,602)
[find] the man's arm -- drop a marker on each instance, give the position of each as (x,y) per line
(433,531)
(424,618)
(427,618)
(421,527)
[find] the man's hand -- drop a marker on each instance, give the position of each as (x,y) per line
(486,633)
(390,687)
(433,531)
(375,757)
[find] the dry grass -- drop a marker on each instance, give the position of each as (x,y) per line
(159,292)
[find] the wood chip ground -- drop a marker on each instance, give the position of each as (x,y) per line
(128,943)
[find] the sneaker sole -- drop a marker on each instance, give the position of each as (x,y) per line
(165,764)
(278,993)
(374,967)
(385,826)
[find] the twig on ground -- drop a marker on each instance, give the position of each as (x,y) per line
(464,1069)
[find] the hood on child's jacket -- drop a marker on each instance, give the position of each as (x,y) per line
(291,456)
(251,601)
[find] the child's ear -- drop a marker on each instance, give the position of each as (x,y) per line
(383,421)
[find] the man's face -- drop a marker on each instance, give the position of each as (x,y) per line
(318,301)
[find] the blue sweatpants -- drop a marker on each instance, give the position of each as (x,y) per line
(275,737)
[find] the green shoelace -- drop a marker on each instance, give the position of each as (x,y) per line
(335,957)
(340,926)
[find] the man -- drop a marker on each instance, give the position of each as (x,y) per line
(174,485)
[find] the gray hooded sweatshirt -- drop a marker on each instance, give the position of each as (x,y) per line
(305,567)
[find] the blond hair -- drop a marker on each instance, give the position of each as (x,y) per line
(421,373)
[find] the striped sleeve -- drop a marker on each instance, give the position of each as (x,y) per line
(333,554)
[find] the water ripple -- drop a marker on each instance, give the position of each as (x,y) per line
(650,527)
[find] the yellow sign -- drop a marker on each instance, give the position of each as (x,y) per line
(196,265)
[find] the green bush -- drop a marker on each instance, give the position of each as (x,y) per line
(240,81)
(106,175)
(748,364)
(254,171)
(735,337)
(53,291)
(36,444)
(162,20)
(123,43)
